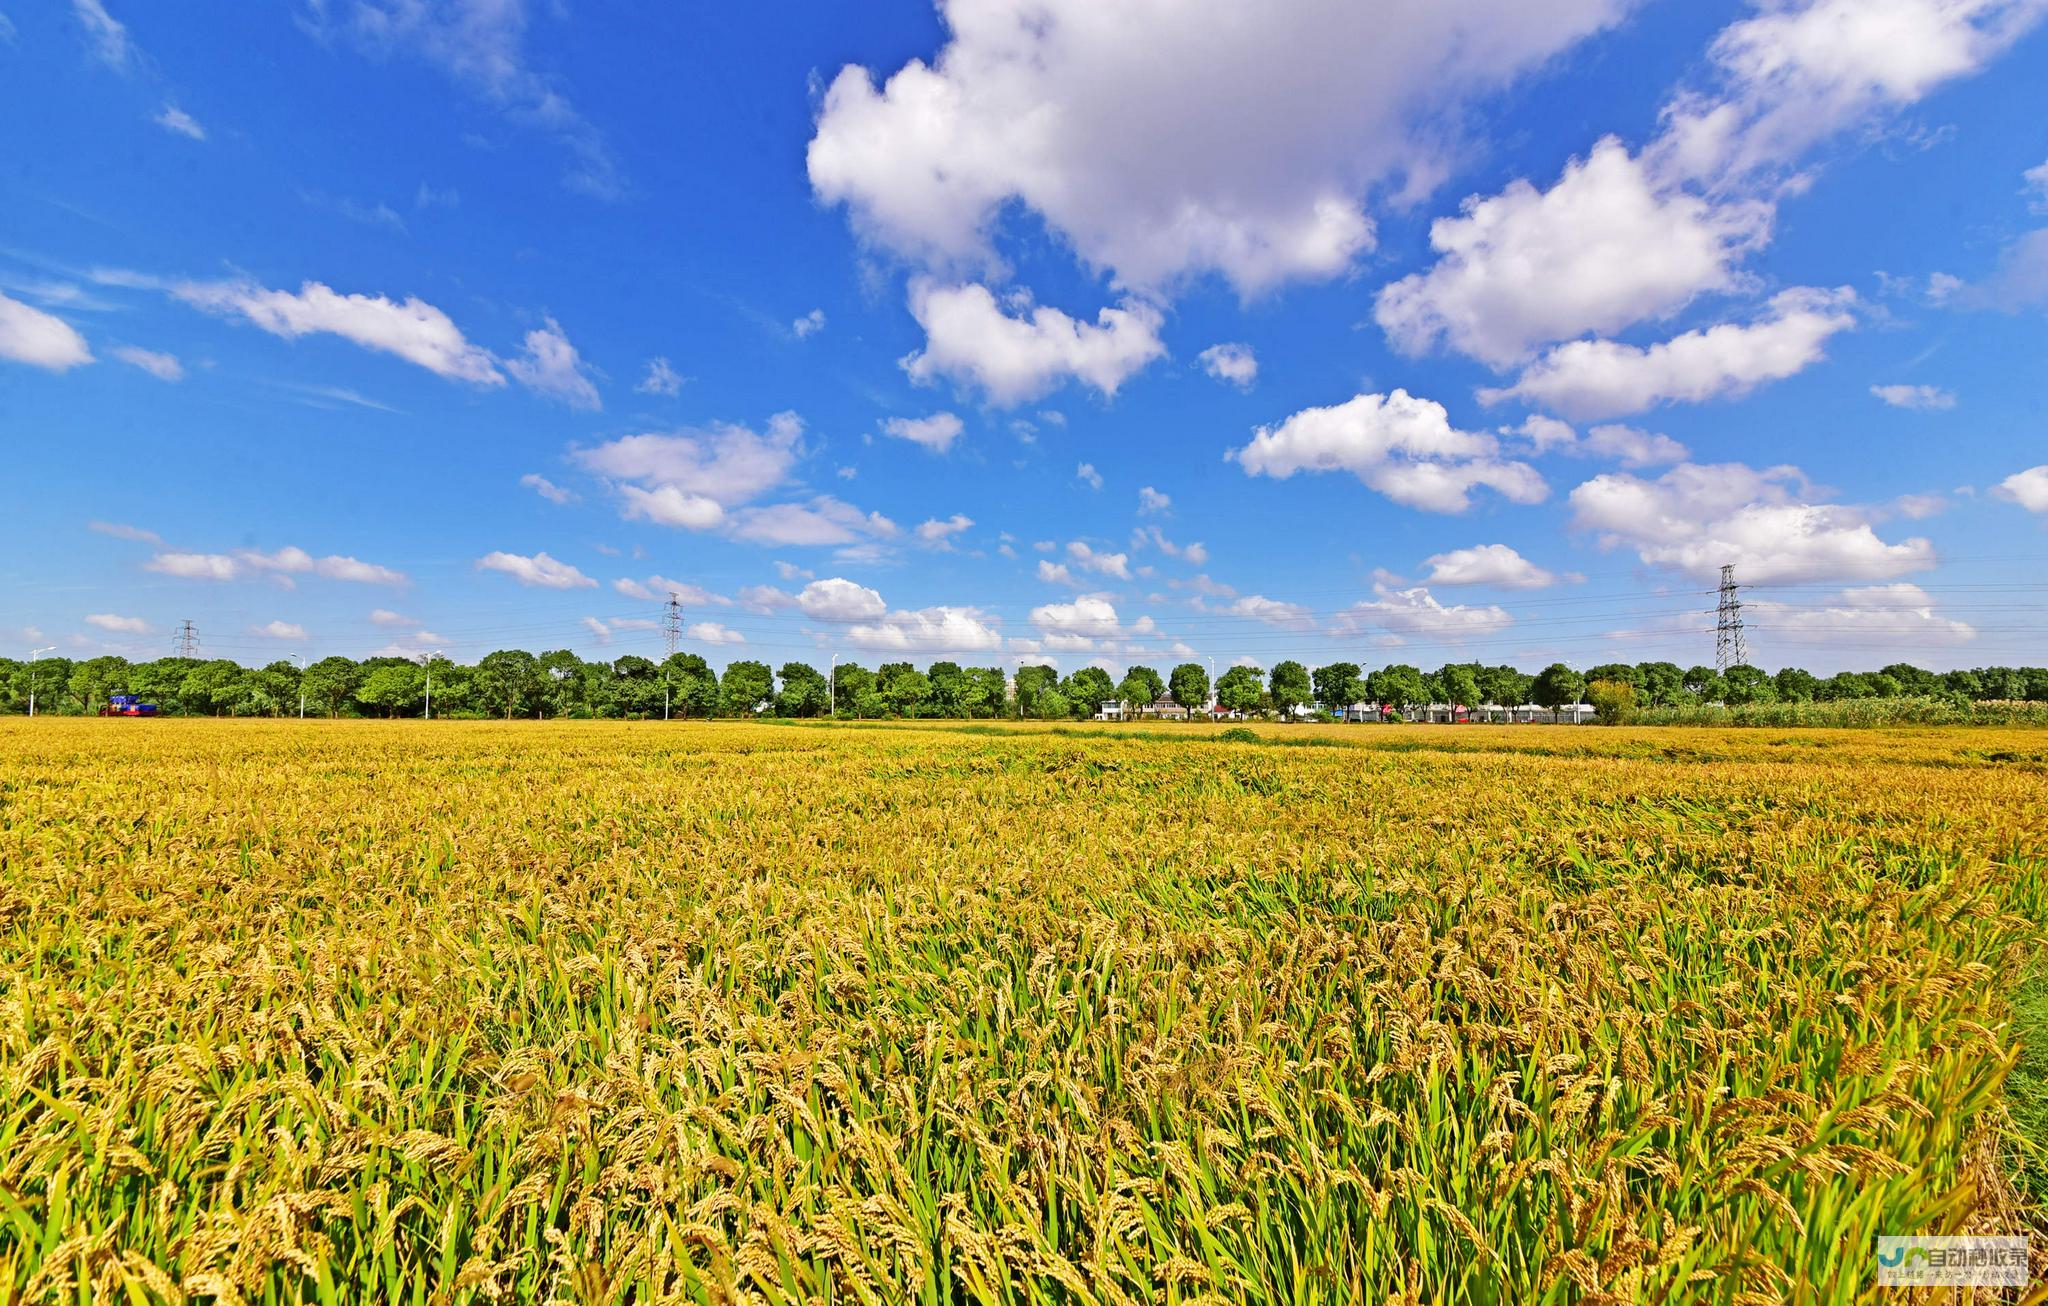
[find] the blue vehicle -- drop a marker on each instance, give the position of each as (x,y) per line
(127,705)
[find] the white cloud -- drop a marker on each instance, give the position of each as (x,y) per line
(1234,363)
(550,365)
(1400,614)
(124,532)
(1056,573)
(1696,518)
(661,379)
(1401,446)
(539,570)
(280,566)
(164,367)
(2037,186)
(1088,476)
(658,588)
(935,433)
(1627,445)
(1601,249)
(174,119)
(972,340)
(108,38)
(414,330)
(1919,398)
(928,630)
(117,624)
(1117,565)
(824,520)
(1196,553)
(1487,564)
(1273,612)
(1603,378)
(809,324)
(598,629)
(1152,501)
(546,488)
(711,632)
(29,335)
(1168,138)
(480,45)
(690,478)
(940,533)
(839,599)
(278,630)
(390,620)
(1087,618)
(2028,489)
(1898,617)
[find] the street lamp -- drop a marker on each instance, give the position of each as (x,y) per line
(427,659)
(832,689)
(34,654)
(302,684)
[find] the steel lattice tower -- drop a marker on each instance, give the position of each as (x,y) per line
(672,623)
(1731,649)
(186,643)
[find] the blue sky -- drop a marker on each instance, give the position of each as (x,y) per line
(1028,331)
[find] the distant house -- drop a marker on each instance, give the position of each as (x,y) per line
(1525,714)
(1114,709)
(1164,709)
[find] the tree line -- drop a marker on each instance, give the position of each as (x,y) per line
(513,683)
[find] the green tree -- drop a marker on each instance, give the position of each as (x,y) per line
(90,682)
(392,688)
(1334,687)
(330,683)
(1743,684)
(636,686)
(1031,682)
(744,687)
(1703,685)
(509,681)
(905,689)
(803,692)
(1556,685)
(1458,682)
(1399,686)
(1911,680)
(1141,687)
(564,686)
(853,686)
(987,691)
(693,687)
(1505,686)
(1660,684)
(1086,690)
(949,689)
(1240,688)
(1621,673)
(1050,704)
(1189,685)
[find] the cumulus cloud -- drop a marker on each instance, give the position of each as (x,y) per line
(1088,476)
(839,599)
(1152,501)
(1487,564)
(928,630)
(1603,378)
(1395,616)
(164,367)
(935,433)
(390,620)
(1695,518)
(413,330)
(809,324)
(1627,445)
(661,379)
(546,488)
(281,566)
(1401,446)
(972,340)
(711,632)
(938,534)
(1236,364)
(1087,618)
(1117,565)
(1056,573)
(550,365)
(690,478)
(1918,398)
(29,335)
(821,521)
(174,119)
(1898,617)
(1273,612)
(540,570)
(658,588)
(278,630)
(1602,249)
(2028,489)
(118,625)
(1084,114)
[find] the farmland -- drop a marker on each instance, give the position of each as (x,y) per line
(701,1012)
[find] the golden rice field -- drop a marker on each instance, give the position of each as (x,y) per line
(367,1012)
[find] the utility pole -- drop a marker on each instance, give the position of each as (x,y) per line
(302,684)
(34,656)
(1731,649)
(428,660)
(186,642)
(832,689)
